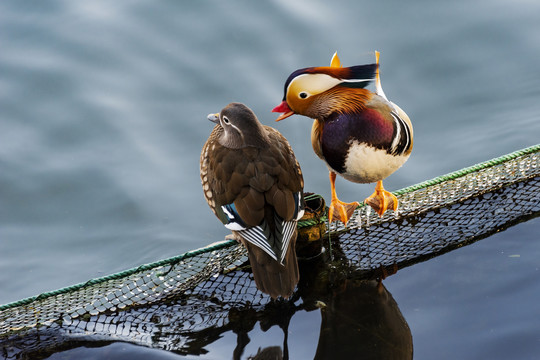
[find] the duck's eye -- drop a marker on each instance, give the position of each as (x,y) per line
(226,120)
(303,95)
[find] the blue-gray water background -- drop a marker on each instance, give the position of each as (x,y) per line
(103,114)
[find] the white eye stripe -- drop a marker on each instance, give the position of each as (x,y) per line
(226,124)
(315,83)
(357,80)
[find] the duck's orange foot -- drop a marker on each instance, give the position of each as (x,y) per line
(342,211)
(382,200)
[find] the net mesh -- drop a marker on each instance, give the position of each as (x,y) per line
(186,302)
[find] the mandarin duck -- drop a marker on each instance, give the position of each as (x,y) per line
(360,134)
(254,185)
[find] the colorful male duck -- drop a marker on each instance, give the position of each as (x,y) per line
(360,134)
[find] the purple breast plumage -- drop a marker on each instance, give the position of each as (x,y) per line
(341,130)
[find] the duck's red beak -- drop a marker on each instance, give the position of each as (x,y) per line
(283,108)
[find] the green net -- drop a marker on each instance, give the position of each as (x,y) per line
(186,302)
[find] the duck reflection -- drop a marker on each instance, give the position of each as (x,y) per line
(269,353)
(360,318)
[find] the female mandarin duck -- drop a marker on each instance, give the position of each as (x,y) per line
(254,185)
(360,134)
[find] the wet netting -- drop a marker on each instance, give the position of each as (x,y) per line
(184,303)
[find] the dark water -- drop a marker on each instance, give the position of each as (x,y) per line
(103,114)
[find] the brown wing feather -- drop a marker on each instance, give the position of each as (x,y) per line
(251,207)
(289,176)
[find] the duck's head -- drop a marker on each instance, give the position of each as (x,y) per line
(240,127)
(316,92)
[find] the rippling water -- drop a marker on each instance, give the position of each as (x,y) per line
(103,114)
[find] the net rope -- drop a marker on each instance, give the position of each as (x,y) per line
(184,302)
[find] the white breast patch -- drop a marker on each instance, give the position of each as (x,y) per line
(366,164)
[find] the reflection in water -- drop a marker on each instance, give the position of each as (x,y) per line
(269,353)
(360,318)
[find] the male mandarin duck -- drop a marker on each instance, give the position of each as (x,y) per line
(360,134)
(254,185)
